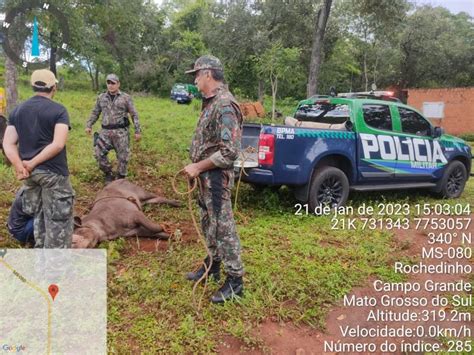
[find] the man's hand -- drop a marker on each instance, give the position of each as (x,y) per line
(28,165)
(10,148)
(138,136)
(192,170)
(88,130)
(21,172)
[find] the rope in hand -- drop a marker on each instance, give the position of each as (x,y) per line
(129,198)
(192,184)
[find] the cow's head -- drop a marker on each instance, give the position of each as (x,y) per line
(83,237)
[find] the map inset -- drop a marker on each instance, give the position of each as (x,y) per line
(53,301)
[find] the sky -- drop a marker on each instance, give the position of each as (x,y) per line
(454,6)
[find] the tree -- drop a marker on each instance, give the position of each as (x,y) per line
(374,27)
(17,37)
(340,69)
(316,53)
(437,49)
(276,63)
(232,34)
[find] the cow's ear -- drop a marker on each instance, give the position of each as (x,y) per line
(77,222)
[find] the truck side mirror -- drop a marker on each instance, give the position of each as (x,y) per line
(438,132)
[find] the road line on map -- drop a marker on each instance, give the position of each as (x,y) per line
(43,293)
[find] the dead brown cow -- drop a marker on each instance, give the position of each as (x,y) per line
(117,212)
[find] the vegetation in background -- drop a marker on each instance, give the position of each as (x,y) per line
(389,43)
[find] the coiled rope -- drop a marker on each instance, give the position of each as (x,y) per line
(192,185)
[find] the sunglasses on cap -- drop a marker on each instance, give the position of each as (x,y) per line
(110,82)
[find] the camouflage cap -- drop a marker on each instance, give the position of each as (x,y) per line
(206,62)
(43,78)
(112,77)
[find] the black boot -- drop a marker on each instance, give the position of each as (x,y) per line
(233,286)
(109,177)
(214,272)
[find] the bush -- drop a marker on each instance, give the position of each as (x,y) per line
(467,137)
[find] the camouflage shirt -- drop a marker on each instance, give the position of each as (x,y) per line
(114,111)
(219,130)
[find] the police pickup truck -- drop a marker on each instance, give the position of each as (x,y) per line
(336,144)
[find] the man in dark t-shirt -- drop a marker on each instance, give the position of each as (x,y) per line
(35,144)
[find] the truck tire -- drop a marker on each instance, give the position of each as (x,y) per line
(330,187)
(453,181)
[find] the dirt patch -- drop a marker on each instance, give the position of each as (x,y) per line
(148,245)
(278,339)
(181,232)
(288,339)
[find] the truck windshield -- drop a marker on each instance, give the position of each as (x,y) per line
(323,112)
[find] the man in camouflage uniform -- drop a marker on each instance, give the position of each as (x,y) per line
(115,107)
(215,146)
(40,127)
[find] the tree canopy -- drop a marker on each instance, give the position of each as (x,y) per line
(389,43)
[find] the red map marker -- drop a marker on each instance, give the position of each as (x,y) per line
(53,290)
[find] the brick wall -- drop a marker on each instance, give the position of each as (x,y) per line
(458,107)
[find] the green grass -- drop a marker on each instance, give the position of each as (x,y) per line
(296,266)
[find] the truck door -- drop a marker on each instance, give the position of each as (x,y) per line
(376,154)
(420,155)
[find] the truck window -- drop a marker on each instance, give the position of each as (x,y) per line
(413,123)
(323,112)
(377,116)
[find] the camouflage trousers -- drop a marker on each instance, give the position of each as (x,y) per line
(118,140)
(49,197)
(217,219)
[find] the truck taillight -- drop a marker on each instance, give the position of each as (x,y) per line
(266,149)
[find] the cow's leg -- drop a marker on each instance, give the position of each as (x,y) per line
(146,228)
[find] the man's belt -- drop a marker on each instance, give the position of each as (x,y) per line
(124,124)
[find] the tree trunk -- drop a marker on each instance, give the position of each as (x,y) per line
(91,75)
(261,91)
(317,47)
(52,54)
(366,74)
(274,82)
(11,76)
(96,79)
(375,69)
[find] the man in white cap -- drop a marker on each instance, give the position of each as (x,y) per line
(115,107)
(35,144)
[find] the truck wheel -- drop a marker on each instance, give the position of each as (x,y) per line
(454,180)
(330,187)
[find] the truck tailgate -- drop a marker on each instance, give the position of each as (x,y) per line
(249,153)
